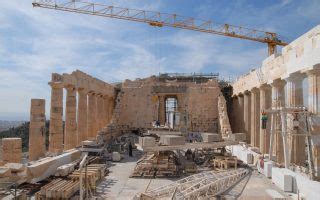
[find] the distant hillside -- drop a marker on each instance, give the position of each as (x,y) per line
(5,124)
(22,131)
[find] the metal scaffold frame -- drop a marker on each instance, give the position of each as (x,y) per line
(202,185)
(279,117)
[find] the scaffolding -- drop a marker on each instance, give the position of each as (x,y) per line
(300,119)
(199,186)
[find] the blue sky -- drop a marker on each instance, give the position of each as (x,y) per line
(35,42)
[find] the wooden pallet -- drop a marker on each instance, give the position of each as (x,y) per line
(156,165)
(58,189)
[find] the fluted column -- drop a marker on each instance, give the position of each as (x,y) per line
(247,115)
(111,105)
(314,90)
(56,113)
(265,103)
(234,115)
(82,127)
(92,106)
(70,134)
(100,112)
(240,113)
(162,111)
(255,117)
(294,89)
(314,107)
(278,100)
(37,130)
(106,109)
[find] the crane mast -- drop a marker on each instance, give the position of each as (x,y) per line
(159,19)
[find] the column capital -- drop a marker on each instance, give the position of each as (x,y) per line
(82,89)
(313,72)
(70,87)
(295,77)
(92,93)
(278,83)
(57,85)
(247,92)
(265,87)
(99,95)
(255,90)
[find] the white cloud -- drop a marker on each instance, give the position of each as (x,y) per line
(35,42)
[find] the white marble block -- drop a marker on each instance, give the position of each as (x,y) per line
(172,140)
(210,137)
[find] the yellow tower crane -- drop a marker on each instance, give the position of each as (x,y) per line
(159,19)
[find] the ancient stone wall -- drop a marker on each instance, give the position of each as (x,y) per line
(143,102)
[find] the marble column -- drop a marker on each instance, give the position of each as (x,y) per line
(162,111)
(11,150)
(37,129)
(314,90)
(255,117)
(240,113)
(294,90)
(314,107)
(82,127)
(111,108)
(70,131)
(247,115)
(96,116)
(278,100)
(91,121)
(106,109)
(234,121)
(56,113)
(100,112)
(265,103)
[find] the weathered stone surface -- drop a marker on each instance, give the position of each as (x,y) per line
(147,141)
(56,113)
(237,137)
(172,140)
(116,157)
(70,131)
(140,104)
(46,167)
(210,137)
(37,136)
(12,150)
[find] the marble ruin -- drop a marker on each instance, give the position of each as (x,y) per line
(272,116)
